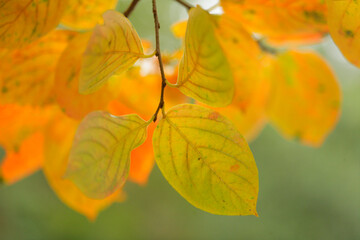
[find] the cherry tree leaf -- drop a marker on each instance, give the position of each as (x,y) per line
(343,19)
(58,140)
(204,157)
(27,74)
(85,14)
(99,160)
(281,21)
(22,22)
(204,71)
(67,76)
(113,47)
(306,97)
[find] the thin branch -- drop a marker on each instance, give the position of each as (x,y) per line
(158,54)
(131,8)
(185,4)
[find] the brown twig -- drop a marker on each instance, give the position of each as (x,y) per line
(158,55)
(131,8)
(185,4)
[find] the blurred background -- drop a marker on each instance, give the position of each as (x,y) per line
(305,193)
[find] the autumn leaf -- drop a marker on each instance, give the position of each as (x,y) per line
(74,16)
(344,27)
(99,161)
(27,74)
(58,140)
(22,138)
(113,47)
(204,72)
(66,86)
(204,157)
(280,21)
(305,103)
(22,22)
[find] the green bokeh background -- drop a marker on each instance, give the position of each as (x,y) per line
(305,193)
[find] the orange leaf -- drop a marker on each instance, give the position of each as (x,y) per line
(27,74)
(306,97)
(344,27)
(66,86)
(22,22)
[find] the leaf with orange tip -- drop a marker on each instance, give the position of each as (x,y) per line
(113,47)
(280,21)
(344,27)
(22,22)
(58,140)
(305,103)
(84,14)
(21,135)
(27,74)
(66,86)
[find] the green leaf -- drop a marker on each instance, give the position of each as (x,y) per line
(204,71)
(204,157)
(100,156)
(113,47)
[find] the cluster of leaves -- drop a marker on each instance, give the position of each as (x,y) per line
(68,97)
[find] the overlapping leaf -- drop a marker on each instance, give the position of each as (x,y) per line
(22,22)
(344,27)
(114,46)
(281,20)
(58,140)
(27,74)
(84,14)
(305,102)
(67,76)
(204,157)
(99,161)
(204,72)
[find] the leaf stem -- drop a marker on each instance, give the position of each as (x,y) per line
(131,8)
(158,55)
(185,4)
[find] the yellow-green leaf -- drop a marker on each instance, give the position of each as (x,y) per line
(204,71)
(22,22)
(113,47)
(306,98)
(99,161)
(344,24)
(204,157)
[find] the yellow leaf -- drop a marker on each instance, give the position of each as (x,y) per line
(179,29)
(204,71)
(22,22)
(344,24)
(66,86)
(204,157)
(282,21)
(113,47)
(306,97)
(99,161)
(83,14)
(27,74)
(58,140)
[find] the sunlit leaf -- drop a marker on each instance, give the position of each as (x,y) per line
(305,103)
(67,76)
(113,47)
(21,135)
(204,157)
(204,72)
(99,161)
(281,20)
(85,14)
(58,140)
(22,22)
(27,74)
(344,27)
